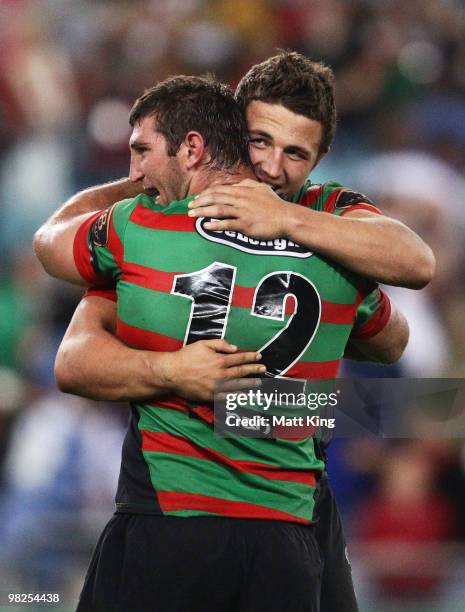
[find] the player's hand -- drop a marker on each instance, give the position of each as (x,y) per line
(199,369)
(248,207)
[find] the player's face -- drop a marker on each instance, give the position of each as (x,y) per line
(284,146)
(150,162)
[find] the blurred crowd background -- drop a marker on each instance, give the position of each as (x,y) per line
(69,71)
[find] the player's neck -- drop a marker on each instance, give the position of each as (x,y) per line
(210,178)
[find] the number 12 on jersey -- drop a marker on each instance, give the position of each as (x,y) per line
(211,290)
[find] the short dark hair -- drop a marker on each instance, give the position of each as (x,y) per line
(297,83)
(183,103)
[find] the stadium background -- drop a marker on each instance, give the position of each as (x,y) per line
(69,70)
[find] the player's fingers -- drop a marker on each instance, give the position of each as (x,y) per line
(247,182)
(221,346)
(240,358)
(213,197)
(217,211)
(236,384)
(248,369)
(234,225)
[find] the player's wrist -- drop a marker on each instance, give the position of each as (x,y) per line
(300,221)
(164,371)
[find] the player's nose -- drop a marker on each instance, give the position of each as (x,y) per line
(272,165)
(135,172)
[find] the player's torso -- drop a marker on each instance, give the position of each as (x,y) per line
(181,283)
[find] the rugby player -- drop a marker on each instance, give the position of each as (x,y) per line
(184,473)
(286,155)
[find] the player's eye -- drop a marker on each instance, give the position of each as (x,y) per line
(296,155)
(139,150)
(259,143)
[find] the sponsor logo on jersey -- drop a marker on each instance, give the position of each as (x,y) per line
(236,240)
(100,228)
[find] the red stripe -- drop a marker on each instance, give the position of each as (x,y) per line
(330,203)
(242,297)
(108,293)
(338,313)
(160,221)
(378,320)
(170,501)
(311,195)
(361,295)
(171,403)
(181,405)
(115,246)
(149,277)
(311,369)
(166,443)
(205,413)
(81,252)
(361,206)
(144,339)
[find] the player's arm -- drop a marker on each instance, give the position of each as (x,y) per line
(362,241)
(367,243)
(54,240)
(387,346)
(93,363)
(381,331)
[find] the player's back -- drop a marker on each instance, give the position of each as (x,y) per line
(177,283)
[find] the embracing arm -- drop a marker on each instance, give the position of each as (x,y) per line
(93,363)
(53,241)
(364,242)
(369,244)
(387,346)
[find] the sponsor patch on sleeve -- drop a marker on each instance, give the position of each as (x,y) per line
(100,228)
(349,198)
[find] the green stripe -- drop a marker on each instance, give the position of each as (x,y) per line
(188,513)
(329,343)
(367,307)
(154,249)
(328,189)
(191,475)
(105,262)
(121,213)
(154,311)
(289,454)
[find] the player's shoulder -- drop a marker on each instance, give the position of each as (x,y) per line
(123,209)
(177,207)
(129,204)
(333,197)
(118,215)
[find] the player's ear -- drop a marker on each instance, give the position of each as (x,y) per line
(194,149)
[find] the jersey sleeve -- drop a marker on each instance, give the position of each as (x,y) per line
(107,293)
(335,199)
(372,315)
(98,244)
(346,201)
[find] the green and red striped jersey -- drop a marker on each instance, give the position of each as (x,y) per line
(178,282)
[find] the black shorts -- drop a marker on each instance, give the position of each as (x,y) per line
(337,587)
(147,563)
